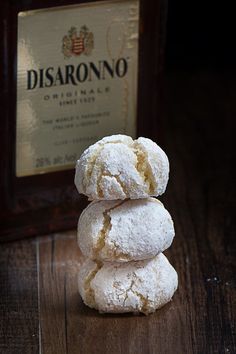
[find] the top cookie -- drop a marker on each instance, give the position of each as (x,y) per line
(118,167)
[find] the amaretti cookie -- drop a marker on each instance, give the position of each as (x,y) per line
(142,286)
(118,167)
(126,230)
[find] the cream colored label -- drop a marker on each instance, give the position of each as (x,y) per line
(76,81)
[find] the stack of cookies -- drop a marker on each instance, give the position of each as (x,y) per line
(124,230)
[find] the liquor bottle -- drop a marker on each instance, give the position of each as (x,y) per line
(72,72)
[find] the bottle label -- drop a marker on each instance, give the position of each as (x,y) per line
(76,81)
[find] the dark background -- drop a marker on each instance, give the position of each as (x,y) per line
(199,137)
(201,35)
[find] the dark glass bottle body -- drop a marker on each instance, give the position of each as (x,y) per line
(49,202)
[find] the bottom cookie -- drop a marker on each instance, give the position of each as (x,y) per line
(142,286)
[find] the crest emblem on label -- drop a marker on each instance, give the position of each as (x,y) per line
(75,44)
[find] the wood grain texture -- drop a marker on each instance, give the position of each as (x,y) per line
(201,198)
(79,329)
(18,298)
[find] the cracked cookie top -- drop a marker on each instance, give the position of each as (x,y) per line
(118,167)
(125,230)
(142,286)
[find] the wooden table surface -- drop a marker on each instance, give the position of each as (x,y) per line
(40,309)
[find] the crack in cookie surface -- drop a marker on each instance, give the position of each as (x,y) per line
(145,308)
(103,233)
(89,292)
(90,166)
(144,168)
(118,254)
(92,161)
(145,303)
(117,177)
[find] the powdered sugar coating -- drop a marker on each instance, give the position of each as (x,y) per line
(118,167)
(142,286)
(125,230)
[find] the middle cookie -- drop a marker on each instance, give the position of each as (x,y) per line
(125,230)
